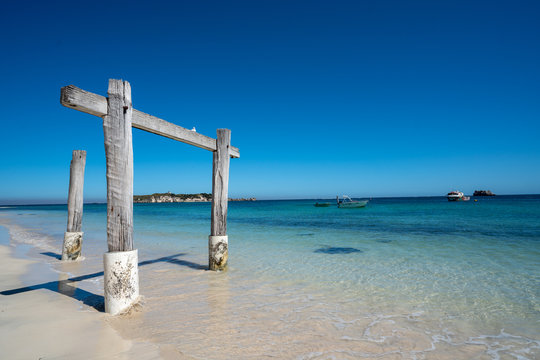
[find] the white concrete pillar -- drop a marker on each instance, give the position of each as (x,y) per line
(218,251)
(121,278)
(71,250)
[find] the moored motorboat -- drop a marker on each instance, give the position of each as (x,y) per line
(457,196)
(348,203)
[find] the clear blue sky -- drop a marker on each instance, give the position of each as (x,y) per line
(366,98)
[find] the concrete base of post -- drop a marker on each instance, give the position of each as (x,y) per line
(121,278)
(71,250)
(218,252)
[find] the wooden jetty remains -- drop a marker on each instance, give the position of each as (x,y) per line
(71,249)
(121,261)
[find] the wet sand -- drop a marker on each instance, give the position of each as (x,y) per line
(38,321)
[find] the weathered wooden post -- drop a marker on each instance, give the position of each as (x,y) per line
(71,249)
(121,275)
(218,252)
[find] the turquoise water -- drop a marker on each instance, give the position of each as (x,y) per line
(457,277)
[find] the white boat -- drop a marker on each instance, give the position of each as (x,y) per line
(457,196)
(348,203)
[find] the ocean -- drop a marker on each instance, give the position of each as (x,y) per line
(403,278)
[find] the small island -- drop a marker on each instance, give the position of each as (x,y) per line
(483,193)
(170,198)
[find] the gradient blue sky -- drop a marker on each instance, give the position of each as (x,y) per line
(366,98)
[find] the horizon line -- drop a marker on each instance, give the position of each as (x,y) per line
(269,199)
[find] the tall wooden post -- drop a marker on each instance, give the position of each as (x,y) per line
(71,249)
(218,252)
(119,153)
(121,262)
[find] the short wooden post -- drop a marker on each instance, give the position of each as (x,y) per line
(218,252)
(71,249)
(121,262)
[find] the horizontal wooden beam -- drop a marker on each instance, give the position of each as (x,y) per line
(87,102)
(90,103)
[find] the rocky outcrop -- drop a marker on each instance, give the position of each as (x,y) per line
(171,198)
(483,193)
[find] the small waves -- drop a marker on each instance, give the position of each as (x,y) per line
(21,235)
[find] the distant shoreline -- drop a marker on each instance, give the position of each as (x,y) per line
(176,198)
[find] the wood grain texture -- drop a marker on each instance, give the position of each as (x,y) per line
(84,101)
(220,183)
(164,128)
(71,249)
(119,153)
(78,99)
(75,195)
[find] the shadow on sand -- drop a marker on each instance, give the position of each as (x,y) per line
(68,286)
(53,255)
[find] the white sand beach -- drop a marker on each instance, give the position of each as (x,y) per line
(43,324)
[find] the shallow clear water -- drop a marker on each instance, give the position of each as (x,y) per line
(407,278)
